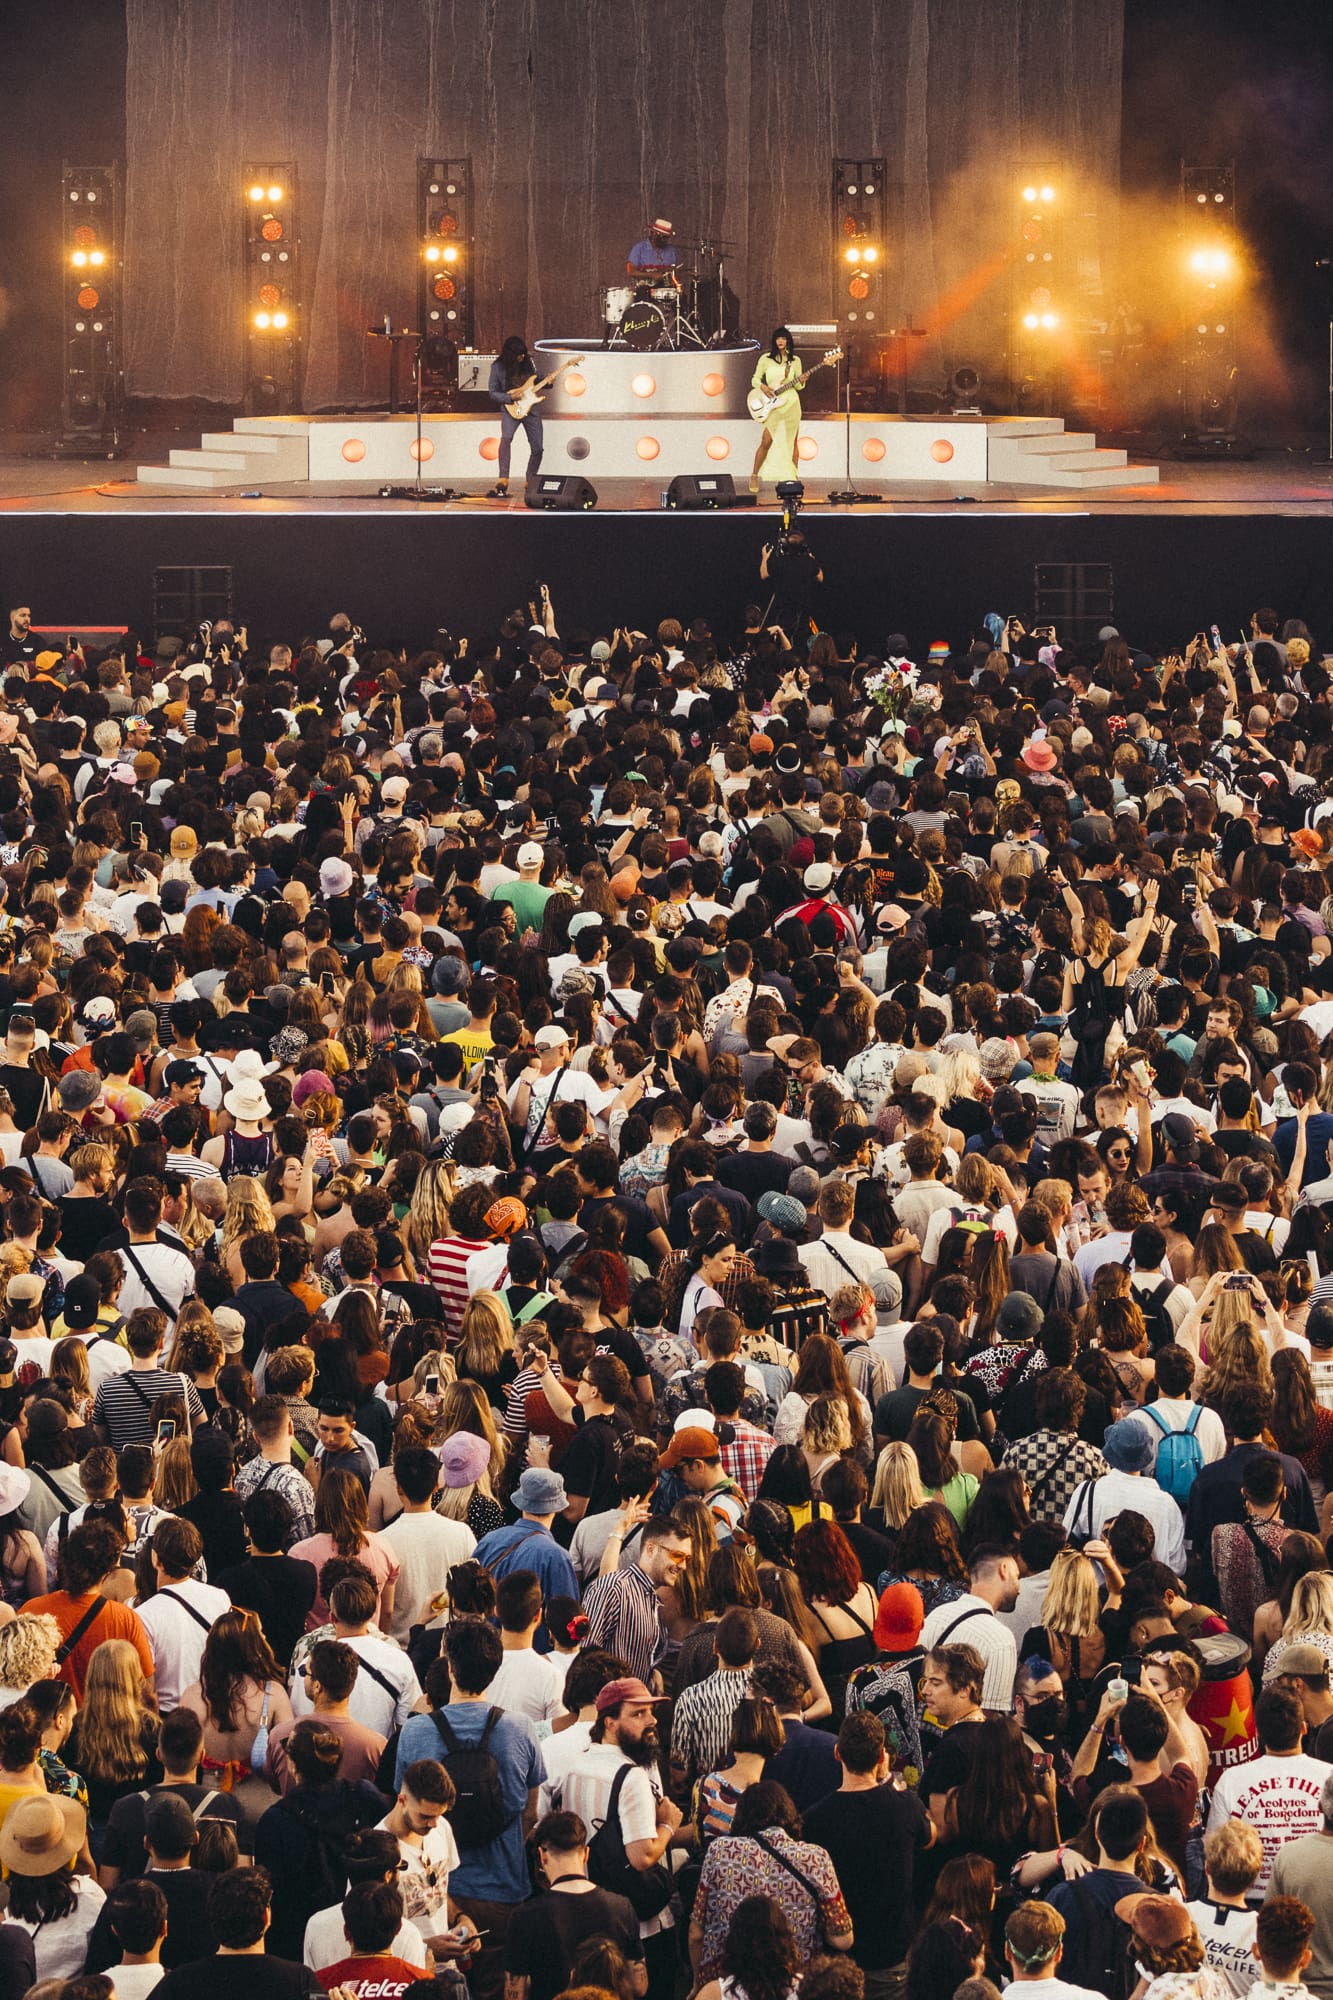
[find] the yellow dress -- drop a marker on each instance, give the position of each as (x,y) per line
(785,420)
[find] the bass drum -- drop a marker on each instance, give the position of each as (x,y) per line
(644,327)
(615,298)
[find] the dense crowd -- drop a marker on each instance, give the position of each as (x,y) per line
(666,1315)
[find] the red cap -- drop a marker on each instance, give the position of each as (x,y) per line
(630,1689)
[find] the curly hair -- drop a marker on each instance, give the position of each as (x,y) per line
(759,1953)
(28,1646)
(826,1564)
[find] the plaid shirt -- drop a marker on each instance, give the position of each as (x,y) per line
(746,1456)
(1054,1466)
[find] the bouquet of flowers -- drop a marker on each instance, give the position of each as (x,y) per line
(892,686)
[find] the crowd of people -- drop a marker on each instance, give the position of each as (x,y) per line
(666,1316)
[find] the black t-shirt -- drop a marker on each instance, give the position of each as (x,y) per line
(28,1088)
(258,1976)
(189,1935)
(122,1842)
(894,1413)
(616,1340)
(422,1301)
(639,1220)
(221,1522)
(588,1464)
(543,1936)
(873,1839)
(753,1174)
(873,1551)
(951,1760)
(793,574)
(280,1588)
(84,1221)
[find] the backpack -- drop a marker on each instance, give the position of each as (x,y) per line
(1098,1948)
(647,1890)
(1161,1327)
(478,1815)
(1179,1455)
(327,1880)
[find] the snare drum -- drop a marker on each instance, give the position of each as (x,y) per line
(615,298)
(666,296)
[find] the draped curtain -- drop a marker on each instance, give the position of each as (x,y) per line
(583,119)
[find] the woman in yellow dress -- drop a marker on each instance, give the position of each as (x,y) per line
(781,369)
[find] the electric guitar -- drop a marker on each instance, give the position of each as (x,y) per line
(529,393)
(761,403)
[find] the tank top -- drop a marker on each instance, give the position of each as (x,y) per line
(246,1156)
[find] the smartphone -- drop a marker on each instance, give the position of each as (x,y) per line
(1079,1212)
(432,1385)
(327,982)
(1189,894)
(1239,1281)
(166,1430)
(136,829)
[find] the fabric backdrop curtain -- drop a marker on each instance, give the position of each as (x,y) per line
(583,118)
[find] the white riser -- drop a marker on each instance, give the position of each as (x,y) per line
(251,442)
(1042,447)
(1094,459)
(214,461)
(1111,475)
(194,478)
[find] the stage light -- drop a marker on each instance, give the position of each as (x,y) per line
(1031,321)
(270,229)
(87,299)
(256,194)
(859,249)
(272,250)
(263,320)
(871,256)
(269,295)
(275,194)
(97,258)
(859,288)
(853,256)
(1048,194)
(1050,320)
(79,259)
(1029,194)
(279,319)
(445,298)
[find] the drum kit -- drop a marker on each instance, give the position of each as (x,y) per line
(686,307)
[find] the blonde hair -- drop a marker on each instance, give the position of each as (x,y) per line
(1071,1606)
(1233,1854)
(249,1212)
(1311,1605)
(464,1407)
(486,1335)
(88,1160)
(428,1210)
(827,1426)
(1235,1357)
(898,1491)
(174,1481)
(112,1714)
(28,1646)
(193,1319)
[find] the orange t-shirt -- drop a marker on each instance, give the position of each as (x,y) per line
(113,1621)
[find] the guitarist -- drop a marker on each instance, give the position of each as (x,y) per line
(513,367)
(779,369)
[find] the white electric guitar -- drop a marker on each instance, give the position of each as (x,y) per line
(761,403)
(529,393)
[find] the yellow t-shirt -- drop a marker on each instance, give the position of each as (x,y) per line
(476,1045)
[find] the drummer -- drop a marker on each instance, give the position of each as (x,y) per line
(656,255)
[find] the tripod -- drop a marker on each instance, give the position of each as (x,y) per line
(851,494)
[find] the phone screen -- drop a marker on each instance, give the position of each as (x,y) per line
(432,1385)
(166,1430)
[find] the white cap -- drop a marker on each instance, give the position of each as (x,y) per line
(531,854)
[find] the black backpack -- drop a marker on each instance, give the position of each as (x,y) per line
(1098,1948)
(1160,1325)
(647,1890)
(478,1815)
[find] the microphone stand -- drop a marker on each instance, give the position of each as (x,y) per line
(416,491)
(851,495)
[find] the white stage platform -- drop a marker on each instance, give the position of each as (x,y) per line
(371,448)
(707,382)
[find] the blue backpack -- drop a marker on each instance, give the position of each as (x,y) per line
(1179,1455)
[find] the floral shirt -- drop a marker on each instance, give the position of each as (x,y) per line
(734,1869)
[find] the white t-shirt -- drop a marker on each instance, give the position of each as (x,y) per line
(527,1684)
(105,1358)
(1057,1107)
(1277,1796)
(947,1218)
(177,1637)
(376,1707)
(587,1792)
(424,1877)
(560,1753)
(62,1947)
(1227,1937)
(326,1941)
(1175,1412)
(575,1087)
(136,1982)
(427,1547)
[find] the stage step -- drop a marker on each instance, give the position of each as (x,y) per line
(1071,459)
(233,459)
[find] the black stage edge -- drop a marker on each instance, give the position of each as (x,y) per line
(405,574)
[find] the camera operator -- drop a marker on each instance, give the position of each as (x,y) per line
(790,566)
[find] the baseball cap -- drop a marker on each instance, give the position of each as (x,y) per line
(691,1443)
(394,790)
(531,854)
(550,1037)
(25,1289)
(899,1619)
(83,1301)
(629,1689)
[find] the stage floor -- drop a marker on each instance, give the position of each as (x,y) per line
(1275,482)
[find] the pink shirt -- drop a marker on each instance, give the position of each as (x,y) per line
(377,1556)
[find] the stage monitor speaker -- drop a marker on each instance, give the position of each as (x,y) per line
(560,493)
(693,490)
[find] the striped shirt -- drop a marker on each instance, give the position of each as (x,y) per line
(702,1718)
(447,1264)
(125,1404)
(625,1618)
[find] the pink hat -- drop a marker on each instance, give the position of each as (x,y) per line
(1039,756)
(311,1083)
